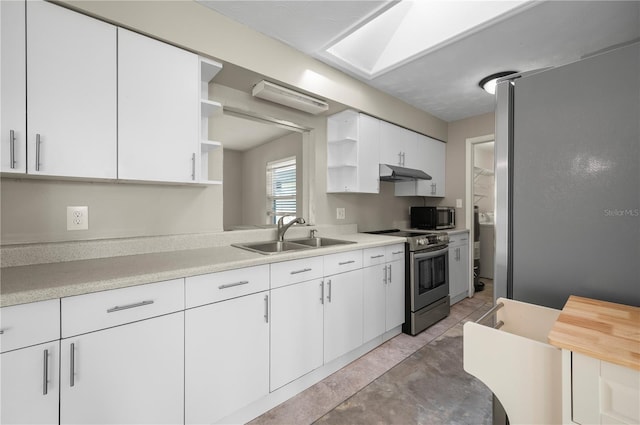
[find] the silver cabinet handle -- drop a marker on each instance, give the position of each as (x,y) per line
(398,252)
(346,262)
(300,271)
(45,373)
(400,158)
(1,331)
(390,273)
(12,148)
(38,142)
(377,256)
(322,292)
(266,308)
(193,167)
(128,306)
(72,359)
(433,188)
(403,158)
(385,275)
(231,285)
(329,290)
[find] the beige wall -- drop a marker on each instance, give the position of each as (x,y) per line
(233,183)
(459,132)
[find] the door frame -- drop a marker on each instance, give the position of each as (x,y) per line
(469,152)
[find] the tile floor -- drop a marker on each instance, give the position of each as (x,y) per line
(406,380)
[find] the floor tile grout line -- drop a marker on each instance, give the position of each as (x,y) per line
(397,364)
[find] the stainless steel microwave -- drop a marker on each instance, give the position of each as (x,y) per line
(433,218)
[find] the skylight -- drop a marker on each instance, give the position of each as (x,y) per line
(412,28)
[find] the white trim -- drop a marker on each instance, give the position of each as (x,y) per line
(470,143)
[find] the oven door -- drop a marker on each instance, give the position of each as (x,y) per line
(429,277)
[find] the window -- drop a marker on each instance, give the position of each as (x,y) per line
(281,190)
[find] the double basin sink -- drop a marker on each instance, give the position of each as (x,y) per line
(274,247)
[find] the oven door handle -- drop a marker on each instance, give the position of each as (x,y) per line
(429,254)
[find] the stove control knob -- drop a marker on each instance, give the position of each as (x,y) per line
(420,241)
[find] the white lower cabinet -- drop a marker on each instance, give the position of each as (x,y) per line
(394,311)
(132,373)
(30,347)
(383,290)
(297,313)
(30,385)
(603,392)
(458,267)
(226,357)
(343,314)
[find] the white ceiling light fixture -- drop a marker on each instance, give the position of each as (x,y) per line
(287,97)
(488,83)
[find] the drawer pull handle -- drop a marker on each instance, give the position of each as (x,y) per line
(38,143)
(45,373)
(342,263)
(300,271)
(398,252)
(1,331)
(72,358)
(377,256)
(128,306)
(12,148)
(266,308)
(231,285)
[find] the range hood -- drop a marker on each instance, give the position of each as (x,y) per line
(394,173)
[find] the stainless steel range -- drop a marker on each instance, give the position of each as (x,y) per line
(427,278)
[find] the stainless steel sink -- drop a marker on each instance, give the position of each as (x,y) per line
(271,247)
(274,247)
(319,242)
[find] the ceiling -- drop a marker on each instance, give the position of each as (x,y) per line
(443,81)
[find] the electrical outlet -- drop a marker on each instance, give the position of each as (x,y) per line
(340,213)
(77,218)
(458,203)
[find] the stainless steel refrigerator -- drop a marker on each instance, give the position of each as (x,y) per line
(568,181)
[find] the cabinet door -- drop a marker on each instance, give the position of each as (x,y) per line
(127,374)
(458,272)
(30,385)
(226,357)
(432,154)
(13,106)
(296,331)
(343,314)
(395,295)
(157,110)
(391,144)
(375,281)
(71,80)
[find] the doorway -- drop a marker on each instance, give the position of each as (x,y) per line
(480,199)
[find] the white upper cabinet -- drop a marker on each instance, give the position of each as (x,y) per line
(13,107)
(352,153)
(398,146)
(158,102)
(71,80)
(431,156)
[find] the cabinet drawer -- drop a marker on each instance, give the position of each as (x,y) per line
(29,324)
(342,262)
(459,239)
(294,271)
(213,287)
(90,312)
(373,256)
(395,252)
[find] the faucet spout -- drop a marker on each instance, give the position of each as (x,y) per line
(282,228)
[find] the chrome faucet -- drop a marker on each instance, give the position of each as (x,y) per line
(282,228)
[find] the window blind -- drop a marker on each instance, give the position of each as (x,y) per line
(281,190)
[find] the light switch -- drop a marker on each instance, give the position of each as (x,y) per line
(458,203)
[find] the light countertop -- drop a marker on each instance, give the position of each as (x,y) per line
(599,329)
(38,282)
